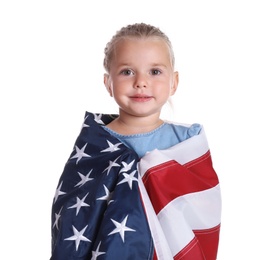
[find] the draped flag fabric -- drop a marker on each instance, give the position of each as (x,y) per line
(182,191)
(110,205)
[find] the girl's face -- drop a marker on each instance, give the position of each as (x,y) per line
(141,77)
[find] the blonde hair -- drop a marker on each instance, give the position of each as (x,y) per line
(137,30)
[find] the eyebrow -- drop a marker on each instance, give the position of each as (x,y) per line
(158,65)
(126,64)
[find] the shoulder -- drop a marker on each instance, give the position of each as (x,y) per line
(189,129)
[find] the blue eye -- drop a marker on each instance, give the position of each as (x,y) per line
(126,72)
(155,72)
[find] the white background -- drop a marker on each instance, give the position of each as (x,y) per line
(228,57)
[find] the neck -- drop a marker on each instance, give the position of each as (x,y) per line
(127,124)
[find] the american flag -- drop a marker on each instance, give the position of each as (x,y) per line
(108,205)
(182,198)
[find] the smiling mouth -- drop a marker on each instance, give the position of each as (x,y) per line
(141,98)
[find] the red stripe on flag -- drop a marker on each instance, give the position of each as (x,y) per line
(209,241)
(169,180)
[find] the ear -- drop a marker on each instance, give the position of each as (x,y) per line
(175,83)
(107,83)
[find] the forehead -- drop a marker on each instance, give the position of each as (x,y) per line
(131,41)
(148,47)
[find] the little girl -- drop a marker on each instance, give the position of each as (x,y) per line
(136,186)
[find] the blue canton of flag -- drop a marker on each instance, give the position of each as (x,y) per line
(97,210)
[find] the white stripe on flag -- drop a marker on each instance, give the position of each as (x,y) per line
(194,211)
(161,246)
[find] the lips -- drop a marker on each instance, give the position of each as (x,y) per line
(141,98)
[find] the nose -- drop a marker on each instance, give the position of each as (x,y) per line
(140,81)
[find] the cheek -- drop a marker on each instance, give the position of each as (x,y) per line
(164,87)
(116,91)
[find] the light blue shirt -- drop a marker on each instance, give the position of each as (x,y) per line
(163,137)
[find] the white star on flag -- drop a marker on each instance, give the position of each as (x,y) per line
(58,192)
(121,228)
(111,165)
(78,236)
(84,123)
(107,196)
(57,217)
(112,147)
(129,178)
(97,119)
(126,167)
(80,153)
(84,179)
(96,253)
(80,203)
